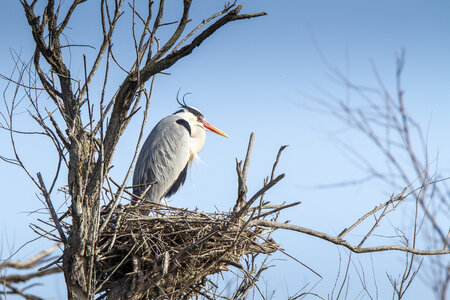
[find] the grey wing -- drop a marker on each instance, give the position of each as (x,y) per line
(163,159)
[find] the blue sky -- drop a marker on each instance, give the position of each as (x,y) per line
(252,76)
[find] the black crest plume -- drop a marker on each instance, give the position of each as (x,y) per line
(182,104)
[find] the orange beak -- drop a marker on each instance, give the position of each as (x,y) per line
(213,129)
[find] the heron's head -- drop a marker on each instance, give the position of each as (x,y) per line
(196,118)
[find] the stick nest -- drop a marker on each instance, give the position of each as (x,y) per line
(170,253)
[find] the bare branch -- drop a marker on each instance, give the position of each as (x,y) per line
(14,290)
(397,198)
(105,43)
(51,209)
(247,156)
(31,262)
(341,242)
(22,278)
(62,26)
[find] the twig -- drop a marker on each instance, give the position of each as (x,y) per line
(16,278)
(247,205)
(338,241)
(248,156)
(242,175)
(399,197)
(31,262)
(51,208)
(259,216)
(19,292)
(276,161)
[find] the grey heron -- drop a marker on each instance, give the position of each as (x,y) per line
(168,151)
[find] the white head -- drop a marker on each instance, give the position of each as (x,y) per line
(197,124)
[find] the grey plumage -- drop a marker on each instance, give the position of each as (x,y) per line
(167,153)
(163,160)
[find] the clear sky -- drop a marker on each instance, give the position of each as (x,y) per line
(252,76)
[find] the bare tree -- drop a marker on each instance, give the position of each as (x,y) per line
(382,117)
(86,148)
(107,252)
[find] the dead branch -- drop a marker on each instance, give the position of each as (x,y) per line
(16,278)
(33,261)
(9,281)
(51,209)
(15,291)
(341,242)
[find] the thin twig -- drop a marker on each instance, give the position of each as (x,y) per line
(51,209)
(338,241)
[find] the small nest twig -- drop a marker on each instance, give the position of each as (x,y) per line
(170,253)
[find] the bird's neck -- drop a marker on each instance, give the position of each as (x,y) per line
(198,138)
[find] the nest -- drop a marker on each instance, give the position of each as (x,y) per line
(171,253)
